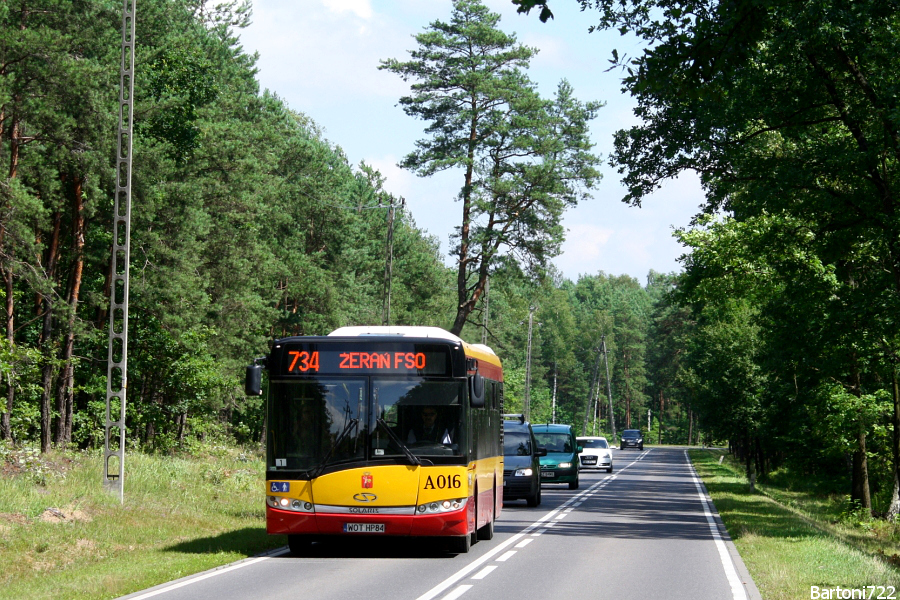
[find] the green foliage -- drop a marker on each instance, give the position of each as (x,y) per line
(247,225)
(786,313)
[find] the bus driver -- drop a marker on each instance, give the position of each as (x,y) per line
(428,430)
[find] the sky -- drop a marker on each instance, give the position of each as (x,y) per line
(321,57)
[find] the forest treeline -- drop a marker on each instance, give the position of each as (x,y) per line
(779,337)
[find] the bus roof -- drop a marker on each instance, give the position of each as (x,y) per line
(418,331)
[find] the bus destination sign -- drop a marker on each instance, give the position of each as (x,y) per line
(310,359)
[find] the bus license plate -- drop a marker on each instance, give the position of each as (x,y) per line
(548,474)
(363,527)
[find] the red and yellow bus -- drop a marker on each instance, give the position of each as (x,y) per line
(382,431)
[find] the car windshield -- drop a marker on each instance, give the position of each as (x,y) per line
(516,443)
(554,442)
(631,433)
(601,443)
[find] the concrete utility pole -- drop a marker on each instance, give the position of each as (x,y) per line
(612,415)
(527,403)
(553,399)
(388,267)
(590,402)
(117,359)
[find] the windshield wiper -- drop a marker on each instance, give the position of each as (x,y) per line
(412,457)
(317,470)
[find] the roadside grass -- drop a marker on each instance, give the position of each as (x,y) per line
(793,535)
(63,536)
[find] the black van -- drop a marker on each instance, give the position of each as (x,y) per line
(521,461)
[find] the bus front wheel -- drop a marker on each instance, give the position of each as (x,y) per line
(487,531)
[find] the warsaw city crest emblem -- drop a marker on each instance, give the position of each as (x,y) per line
(367,481)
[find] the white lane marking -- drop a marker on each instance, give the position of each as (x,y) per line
(524,542)
(562,515)
(221,571)
(737,588)
(484,572)
(541,523)
(506,556)
(459,591)
(469,568)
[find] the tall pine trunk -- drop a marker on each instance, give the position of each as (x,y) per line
(859,485)
(5,418)
(65,388)
(860,480)
(7,272)
(690,426)
(463,307)
(894,509)
(46,338)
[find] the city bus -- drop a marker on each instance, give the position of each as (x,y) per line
(382,431)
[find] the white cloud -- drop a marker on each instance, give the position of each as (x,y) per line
(587,241)
(361,8)
(324,52)
(399,182)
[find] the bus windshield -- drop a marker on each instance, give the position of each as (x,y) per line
(318,422)
(311,421)
(424,415)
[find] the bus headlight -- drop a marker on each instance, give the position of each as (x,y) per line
(293,504)
(443,506)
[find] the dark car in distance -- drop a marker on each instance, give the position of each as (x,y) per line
(632,438)
(521,461)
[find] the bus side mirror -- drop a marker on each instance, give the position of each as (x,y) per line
(253,381)
(476,391)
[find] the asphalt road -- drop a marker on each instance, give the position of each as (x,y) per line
(647,531)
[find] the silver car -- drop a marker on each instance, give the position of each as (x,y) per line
(597,453)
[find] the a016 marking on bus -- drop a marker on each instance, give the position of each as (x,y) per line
(443,482)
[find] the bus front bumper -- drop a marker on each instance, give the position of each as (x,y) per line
(455,523)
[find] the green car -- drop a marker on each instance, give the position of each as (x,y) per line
(561,463)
